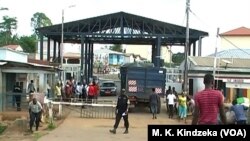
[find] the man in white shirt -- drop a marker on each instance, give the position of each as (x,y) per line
(35,109)
(171,98)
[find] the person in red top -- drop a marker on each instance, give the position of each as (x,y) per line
(208,104)
(92,91)
(68,90)
(97,89)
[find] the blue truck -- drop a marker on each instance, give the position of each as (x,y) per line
(138,79)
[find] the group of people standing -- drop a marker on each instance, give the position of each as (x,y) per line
(78,91)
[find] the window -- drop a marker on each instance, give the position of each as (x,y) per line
(73,61)
(108,85)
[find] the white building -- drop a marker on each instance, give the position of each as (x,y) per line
(16,68)
(232,75)
(145,51)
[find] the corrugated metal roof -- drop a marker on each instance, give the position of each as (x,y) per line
(222,62)
(233,53)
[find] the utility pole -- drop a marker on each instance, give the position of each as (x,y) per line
(186,48)
(61,47)
(215,54)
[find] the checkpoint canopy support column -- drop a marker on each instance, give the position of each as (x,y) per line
(158,52)
(153,54)
(194,48)
(92,59)
(54,51)
(86,62)
(48,49)
(89,60)
(82,56)
(41,47)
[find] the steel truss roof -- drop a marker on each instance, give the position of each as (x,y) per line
(121,28)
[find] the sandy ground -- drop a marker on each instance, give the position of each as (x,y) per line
(74,128)
(78,129)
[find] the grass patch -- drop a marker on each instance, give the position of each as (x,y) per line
(2,128)
(37,136)
(51,126)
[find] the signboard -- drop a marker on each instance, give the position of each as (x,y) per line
(238,85)
(236,80)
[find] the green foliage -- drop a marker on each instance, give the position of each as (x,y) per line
(40,20)
(8,25)
(178,58)
(37,136)
(2,128)
(116,47)
(28,43)
(51,126)
(5,39)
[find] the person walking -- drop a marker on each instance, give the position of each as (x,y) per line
(58,93)
(121,112)
(168,91)
(35,110)
(17,90)
(154,101)
(208,103)
(240,114)
(171,99)
(182,107)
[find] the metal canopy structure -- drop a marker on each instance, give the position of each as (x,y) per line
(121,28)
(117,28)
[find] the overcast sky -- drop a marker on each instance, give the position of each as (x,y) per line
(206,15)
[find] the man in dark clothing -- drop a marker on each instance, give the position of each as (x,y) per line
(17,89)
(121,112)
(154,101)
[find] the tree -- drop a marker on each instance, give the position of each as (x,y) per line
(178,58)
(116,47)
(40,20)
(28,43)
(6,40)
(7,27)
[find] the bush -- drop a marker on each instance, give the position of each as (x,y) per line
(51,126)
(2,128)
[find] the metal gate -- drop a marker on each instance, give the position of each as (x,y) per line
(104,109)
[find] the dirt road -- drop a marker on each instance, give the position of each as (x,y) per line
(79,129)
